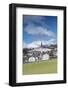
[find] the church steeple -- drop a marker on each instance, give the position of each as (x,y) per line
(41,44)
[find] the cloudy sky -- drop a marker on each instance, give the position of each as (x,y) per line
(37,29)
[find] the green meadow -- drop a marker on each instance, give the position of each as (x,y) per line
(40,67)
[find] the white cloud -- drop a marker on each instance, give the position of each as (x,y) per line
(38,30)
(25,45)
(35,44)
(34,19)
(51,41)
(32,45)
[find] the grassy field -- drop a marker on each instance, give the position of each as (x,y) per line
(41,67)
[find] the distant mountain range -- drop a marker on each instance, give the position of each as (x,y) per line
(36,44)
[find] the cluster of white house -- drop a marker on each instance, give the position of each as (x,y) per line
(40,53)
